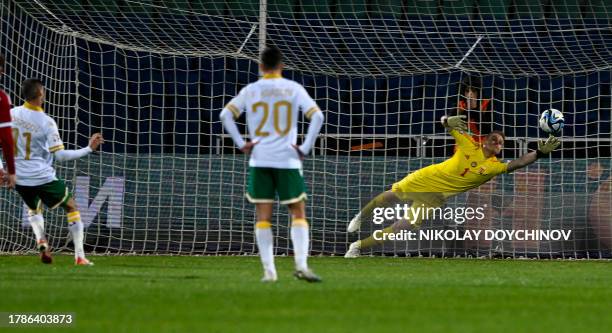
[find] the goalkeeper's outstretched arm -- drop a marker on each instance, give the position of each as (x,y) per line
(544,148)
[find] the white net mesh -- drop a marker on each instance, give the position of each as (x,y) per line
(152,76)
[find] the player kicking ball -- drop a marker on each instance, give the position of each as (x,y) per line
(37,143)
(272,106)
(472,165)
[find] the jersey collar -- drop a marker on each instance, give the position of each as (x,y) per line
(32,107)
(492,158)
(272,76)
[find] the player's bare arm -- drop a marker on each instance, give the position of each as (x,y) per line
(544,148)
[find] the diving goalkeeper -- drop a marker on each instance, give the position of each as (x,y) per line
(472,165)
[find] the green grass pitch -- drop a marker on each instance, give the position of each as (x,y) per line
(223,294)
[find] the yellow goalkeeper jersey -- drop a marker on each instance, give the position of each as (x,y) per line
(467,169)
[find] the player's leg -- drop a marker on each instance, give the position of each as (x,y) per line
(299,234)
(420,203)
(379,201)
(292,192)
(36,220)
(355,248)
(265,240)
(55,194)
(76,228)
(261,191)
(300,239)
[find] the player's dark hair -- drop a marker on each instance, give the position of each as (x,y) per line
(271,57)
(467,89)
(471,82)
(1,60)
(500,133)
(29,89)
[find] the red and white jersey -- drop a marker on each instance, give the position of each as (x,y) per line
(6,135)
(5,110)
(272,105)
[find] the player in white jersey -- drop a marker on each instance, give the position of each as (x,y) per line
(272,106)
(37,143)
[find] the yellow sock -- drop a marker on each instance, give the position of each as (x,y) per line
(381,200)
(263,224)
(370,241)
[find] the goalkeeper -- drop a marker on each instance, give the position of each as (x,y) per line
(472,165)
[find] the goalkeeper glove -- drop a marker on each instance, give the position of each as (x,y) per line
(456,122)
(544,148)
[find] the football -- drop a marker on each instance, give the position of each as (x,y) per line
(552,121)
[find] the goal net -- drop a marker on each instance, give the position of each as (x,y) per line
(152,76)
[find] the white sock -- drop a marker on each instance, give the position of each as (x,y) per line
(299,238)
(265,243)
(38,225)
(76,228)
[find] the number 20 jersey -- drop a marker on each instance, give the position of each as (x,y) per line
(272,105)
